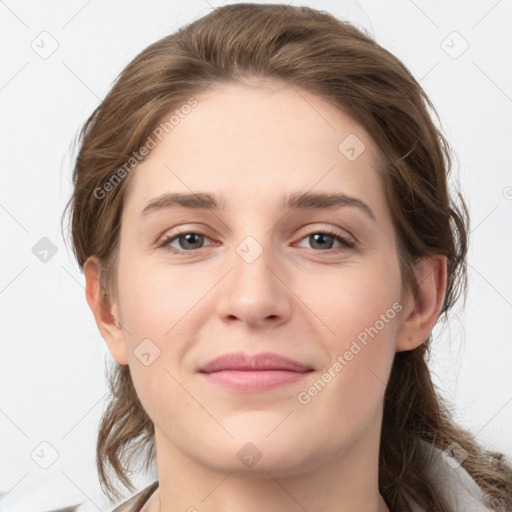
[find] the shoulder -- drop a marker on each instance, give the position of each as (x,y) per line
(454,482)
(132,504)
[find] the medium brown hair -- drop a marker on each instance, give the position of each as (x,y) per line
(313,51)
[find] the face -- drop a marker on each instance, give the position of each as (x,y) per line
(266,266)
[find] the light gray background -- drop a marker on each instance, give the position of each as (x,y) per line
(52,383)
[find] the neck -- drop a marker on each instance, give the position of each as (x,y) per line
(343,482)
(155,505)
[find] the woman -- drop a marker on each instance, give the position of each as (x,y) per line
(262,215)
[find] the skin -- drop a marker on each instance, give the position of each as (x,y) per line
(254,144)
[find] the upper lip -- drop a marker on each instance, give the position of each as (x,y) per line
(254,362)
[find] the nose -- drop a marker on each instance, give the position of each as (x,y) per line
(254,292)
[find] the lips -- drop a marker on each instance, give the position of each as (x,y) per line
(256,362)
(244,372)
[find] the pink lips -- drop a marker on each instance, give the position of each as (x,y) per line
(257,372)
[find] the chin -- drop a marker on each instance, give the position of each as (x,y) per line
(252,453)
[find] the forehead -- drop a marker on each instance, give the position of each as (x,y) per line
(259,141)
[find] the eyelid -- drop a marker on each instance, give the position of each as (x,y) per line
(334,231)
(183,229)
(346,242)
(164,241)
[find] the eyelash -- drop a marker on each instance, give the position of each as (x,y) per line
(346,243)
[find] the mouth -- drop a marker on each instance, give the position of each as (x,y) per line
(256,372)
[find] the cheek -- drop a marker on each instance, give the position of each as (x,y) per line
(359,310)
(348,390)
(154,300)
(352,298)
(161,315)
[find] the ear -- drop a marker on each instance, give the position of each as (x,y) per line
(422,307)
(105,313)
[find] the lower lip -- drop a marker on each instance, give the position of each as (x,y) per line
(261,380)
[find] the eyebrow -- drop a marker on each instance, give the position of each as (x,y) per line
(295,201)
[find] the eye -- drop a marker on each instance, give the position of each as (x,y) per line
(324,240)
(187,241)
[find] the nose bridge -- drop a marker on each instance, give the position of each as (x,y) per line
(252,278)
(251,291)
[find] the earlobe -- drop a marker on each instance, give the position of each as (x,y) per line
(105,313)
(424,305)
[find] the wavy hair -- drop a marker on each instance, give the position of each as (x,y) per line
(313,51)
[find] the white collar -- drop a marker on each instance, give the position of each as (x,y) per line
(453,482)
